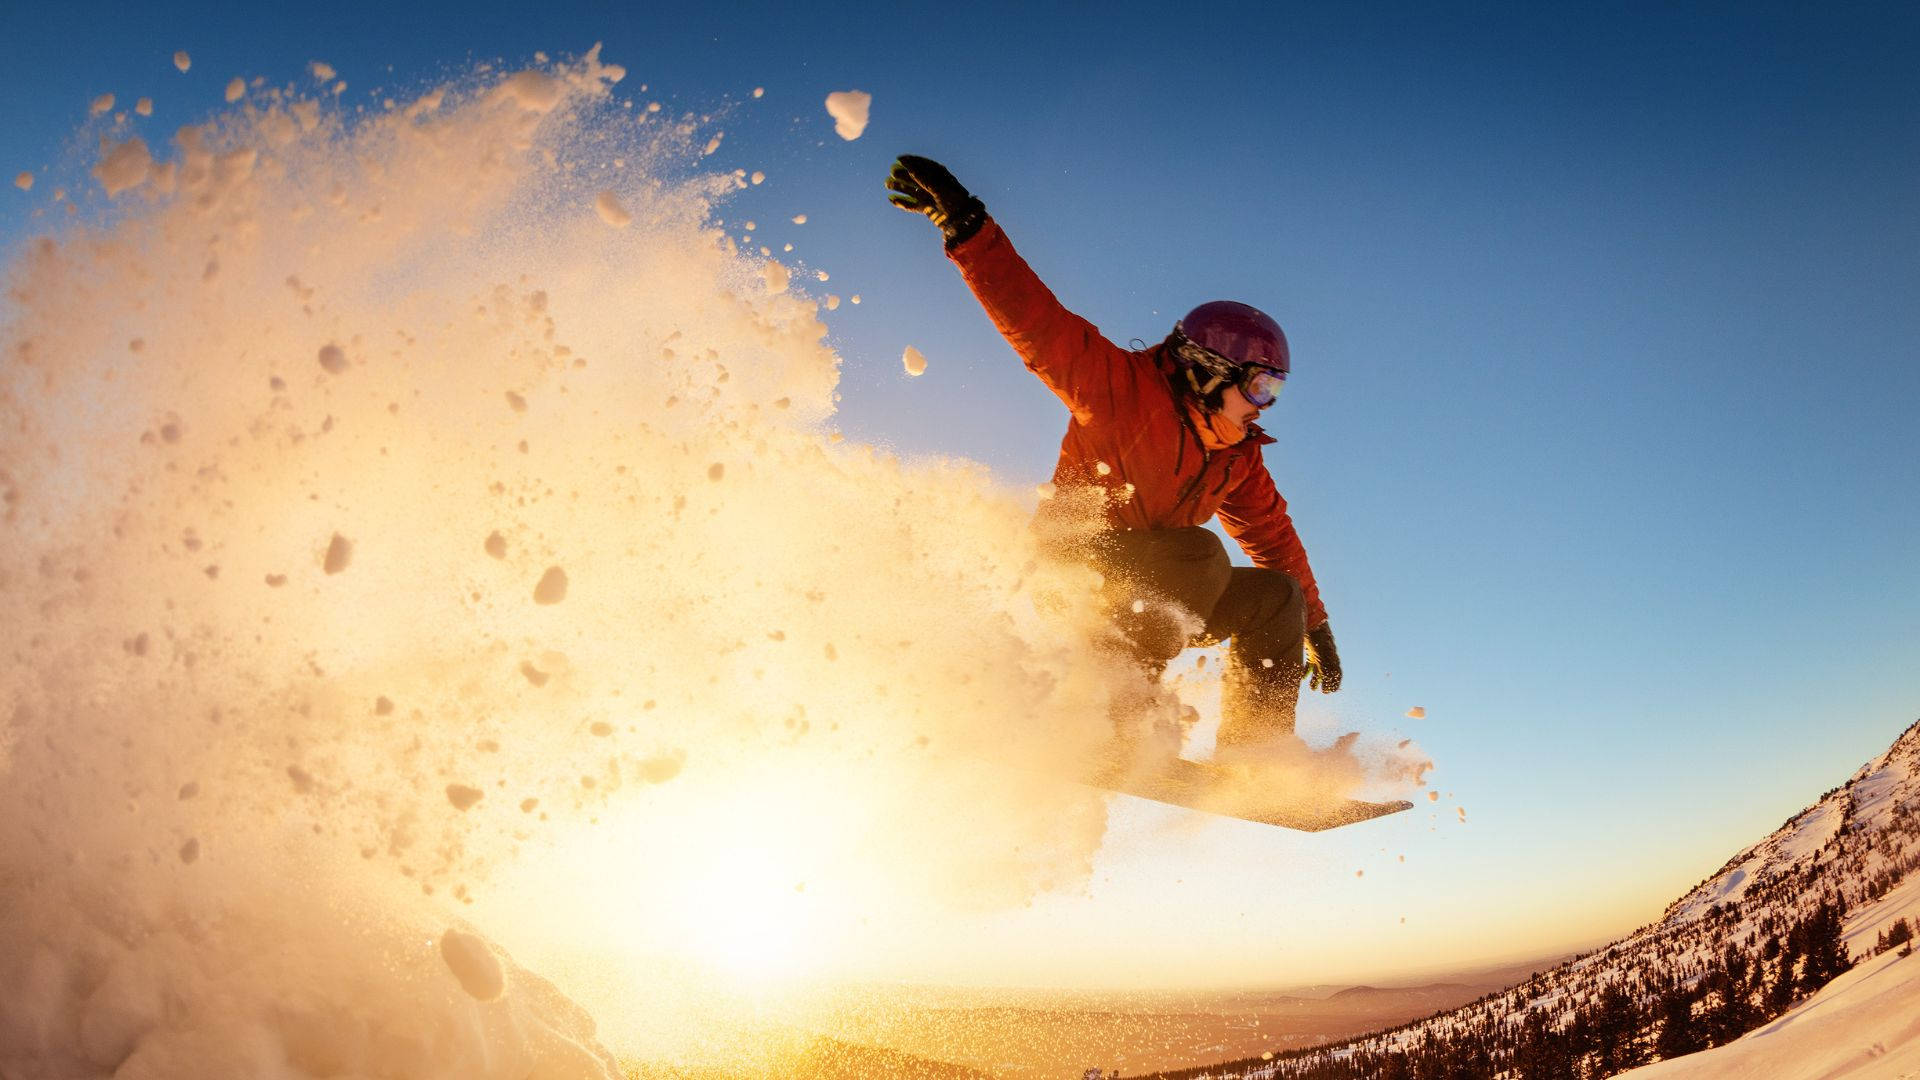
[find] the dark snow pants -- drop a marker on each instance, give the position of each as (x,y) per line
(1261,612)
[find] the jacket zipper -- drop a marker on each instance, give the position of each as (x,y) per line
(1206,458)
(1225,479)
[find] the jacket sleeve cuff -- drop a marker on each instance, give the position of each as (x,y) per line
(974,244)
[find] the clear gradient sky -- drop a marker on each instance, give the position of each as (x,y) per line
(1602,428)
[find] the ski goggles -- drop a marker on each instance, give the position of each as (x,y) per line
(1259,384)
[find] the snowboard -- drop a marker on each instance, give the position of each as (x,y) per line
(1198,785)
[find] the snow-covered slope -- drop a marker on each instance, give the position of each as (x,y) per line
(1729,956)
(1864,1025)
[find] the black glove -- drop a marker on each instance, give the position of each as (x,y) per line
(924,186)
(1323,659)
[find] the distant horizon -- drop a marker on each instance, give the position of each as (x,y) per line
(1386,982)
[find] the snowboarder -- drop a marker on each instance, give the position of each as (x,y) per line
(1167,434)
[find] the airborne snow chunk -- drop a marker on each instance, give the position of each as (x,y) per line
(236,89)
(1417,713)
(463,797)
(24,181)
(534,91)
(333,358)
(473,964)
(322,71)
(339,554)
(611,211)
(101,104)
(849,111)
(182,61)
(127,165)
(552,588)
(659,770)
(915,363)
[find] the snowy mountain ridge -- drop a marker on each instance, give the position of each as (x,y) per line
(1865,802)
(1743,947)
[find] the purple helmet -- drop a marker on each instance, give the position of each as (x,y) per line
(1242,334)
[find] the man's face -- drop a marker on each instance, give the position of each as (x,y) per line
(1236,408)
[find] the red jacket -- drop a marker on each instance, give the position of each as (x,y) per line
(1126,417)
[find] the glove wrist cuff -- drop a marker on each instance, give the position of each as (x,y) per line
(966,220)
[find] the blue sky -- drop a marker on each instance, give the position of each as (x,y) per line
(1601,433)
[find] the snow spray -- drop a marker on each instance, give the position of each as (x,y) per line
(423,543)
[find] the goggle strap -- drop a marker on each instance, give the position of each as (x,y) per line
(1193,380)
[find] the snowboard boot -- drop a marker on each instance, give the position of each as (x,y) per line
(1257,705)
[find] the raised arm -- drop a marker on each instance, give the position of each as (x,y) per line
(1088,372)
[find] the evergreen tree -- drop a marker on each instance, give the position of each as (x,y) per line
(1827,955)
(1580,1040)
(1779,995)
(1894,936)
(1542,1053)
(1738,968)
(1728,1014)
(1616,1032)
(1531,1052)
(1679,1035)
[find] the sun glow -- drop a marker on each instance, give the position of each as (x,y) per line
(749,918)
(745,874)
(739,901)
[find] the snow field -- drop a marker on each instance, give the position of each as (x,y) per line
(1864,1025)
